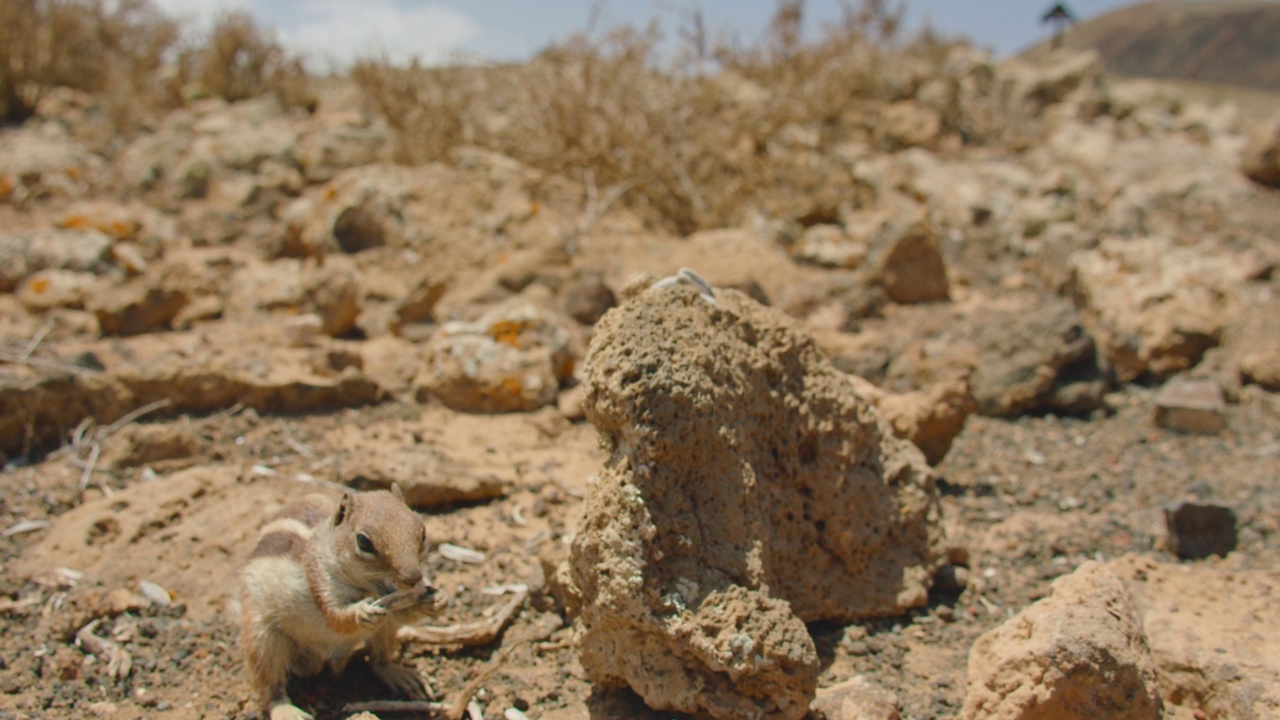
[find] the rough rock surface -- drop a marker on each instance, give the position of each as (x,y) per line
(1156,307)
(1081,652)
(512,359)
(743,466)
(233,365)
(24,253)
(293,286)
(1216,652)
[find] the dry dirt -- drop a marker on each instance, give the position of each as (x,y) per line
(174,497)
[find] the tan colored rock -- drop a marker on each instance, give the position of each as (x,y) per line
(198,371)
(135,445)
(1208,626)
(133,309)
(905,257)
(512,359)
(907,124)
(1255,342)
(293,286)
(1079,653)
(829,246)
(1155,307)
(1191,406)
(327,151)
(743,466)
(49,289)
(1260,158)
(24,253)
(859,698)
(427,477)
(931,418)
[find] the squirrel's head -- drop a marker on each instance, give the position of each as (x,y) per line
(379,540)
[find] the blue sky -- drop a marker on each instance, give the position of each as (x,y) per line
(337,31)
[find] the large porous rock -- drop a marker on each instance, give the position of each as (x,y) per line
(1261,156)
(751,488)
(511,359)
(292,286)
(1154,307)
(1081,652)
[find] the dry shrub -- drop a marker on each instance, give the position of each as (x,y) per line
(115,48)
(239,60)
(725,132)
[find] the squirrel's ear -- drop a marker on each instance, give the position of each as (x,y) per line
(395,490)
(344,507)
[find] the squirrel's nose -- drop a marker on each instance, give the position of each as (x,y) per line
(410,578)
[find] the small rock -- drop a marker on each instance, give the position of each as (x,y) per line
(135,445)
(1261,156)
(425,476)
(829,246)
(905,258)
(588,298)
(1191,406)
(570,403)
(1153,306)
(856,699)
(292,286)
(513,359)
(951,579)
(55,289)
(908,124)
(420,305)
(123,600)
(1198,531)
(933,417)
(133,309)
(1079,653)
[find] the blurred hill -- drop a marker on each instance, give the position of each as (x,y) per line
(1219,42)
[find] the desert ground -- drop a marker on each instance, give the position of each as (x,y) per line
(989,350)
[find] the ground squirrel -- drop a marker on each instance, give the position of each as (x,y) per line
(324,579)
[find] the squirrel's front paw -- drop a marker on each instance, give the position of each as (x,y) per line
(368,614)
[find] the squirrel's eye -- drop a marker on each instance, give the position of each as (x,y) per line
(365,544)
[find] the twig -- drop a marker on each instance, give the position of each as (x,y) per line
(25,526)
(132,416)
(35,341)
(94,451)
(472,634)
(119,664)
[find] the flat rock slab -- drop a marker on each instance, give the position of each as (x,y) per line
(212,369)
(1212,631)
(1191,406)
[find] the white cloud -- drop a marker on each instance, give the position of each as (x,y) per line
(337,33)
